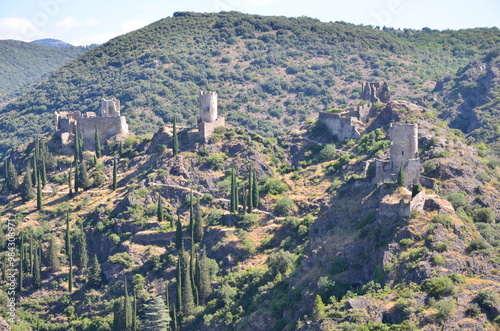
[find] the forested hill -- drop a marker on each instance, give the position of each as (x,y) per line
(271,73)
(23,64)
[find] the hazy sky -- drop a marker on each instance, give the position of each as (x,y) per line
(82,22)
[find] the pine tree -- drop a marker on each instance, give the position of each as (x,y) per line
(401,175)
(37,278)
(319,308)
(204,283)
(70,180)
(250,193)
(178,234)
(114,174)
(255,190)
(157,317)
(175,139)
(98,148)
(81,257)
(95,273)
(39,197)
(83,177)
(27,192)
(187,289)
(159,209)
(198,222)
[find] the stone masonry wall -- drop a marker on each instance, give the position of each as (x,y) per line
(207,129)
(108,127)
(340,126)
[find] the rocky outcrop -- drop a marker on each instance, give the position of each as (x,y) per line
(376,92)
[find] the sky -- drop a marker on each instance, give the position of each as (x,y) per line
(84,22)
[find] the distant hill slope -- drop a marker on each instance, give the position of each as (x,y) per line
(271,73)
(23,64)
(52,43)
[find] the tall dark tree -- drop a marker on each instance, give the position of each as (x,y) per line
(198,222)
(178,275)
(43,173)
(234,192)
(70,275)
(39,197)
(35,171)
(250,193)
(95,273)
(175,139)
(188,304)
(156,315)
(37,277)
(70,180)
(192,271)
(21,262)
(120,149)
(83,177)
(98,148)
(114,174)
(67,238)
(401,175)
(191,214)
(81,257)
(12,181)
(178,234)
(159,209)
(32,257)
(134,312)
(204,280)
(128,307)
(27,192)
(53,254)
(77,175)
(255,190)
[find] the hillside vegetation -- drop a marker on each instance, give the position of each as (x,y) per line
(26,64)
(271,73)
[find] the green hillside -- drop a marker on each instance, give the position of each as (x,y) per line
(24,64)
(271,73)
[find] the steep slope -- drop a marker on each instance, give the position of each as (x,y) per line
(271,73)
(24,64)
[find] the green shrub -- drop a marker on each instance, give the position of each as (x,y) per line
(215,217)
(438,260)
(445,309)
(406,242)
(280,262)
(123,258)
(284,205)
(439,286)
(487,299)
(477,244)
(444,219)
(215,161)
(249,220)
(339,264)
(457,199)
(442,247)
(327,152)
(274,186)
(484,215)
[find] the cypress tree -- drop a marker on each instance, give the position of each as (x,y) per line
(21,262)
(244,198)
(37,278)
(191,215)
(198,222)
(175,139)
(32,258)
(67,238)
(167,299)
(70,276)
(39,198)
(27,192)
(250,194)
(178,277)
(44,173)
(52,254)
(120,149)
(80,146)
(6,169)
(174,319)
(83,177)
(187,289)
(70,179)
(81,257)
(192,271)
(204,283)
(134,313)
(114,173)
(35,171)
(255,190)
(95,273)
(98,148)
(119,320)
(178,234)
(127,308)
(401,175)
(157,317)
(12,181)
(77,175)
(234,191)
(159,209)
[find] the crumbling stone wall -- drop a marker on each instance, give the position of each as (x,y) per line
(342,126)
(375,92)
(110,108)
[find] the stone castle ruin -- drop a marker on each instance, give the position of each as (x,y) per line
(110,125)
(403,153)
(208,119)
(351,124)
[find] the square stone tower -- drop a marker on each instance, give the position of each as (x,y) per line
(208,119)
(110,108)
(404,144)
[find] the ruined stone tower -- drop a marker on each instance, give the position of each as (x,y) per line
(208,119)
(110,108)
(404,144)
(375,92)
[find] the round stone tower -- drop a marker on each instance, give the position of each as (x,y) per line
(208,106)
